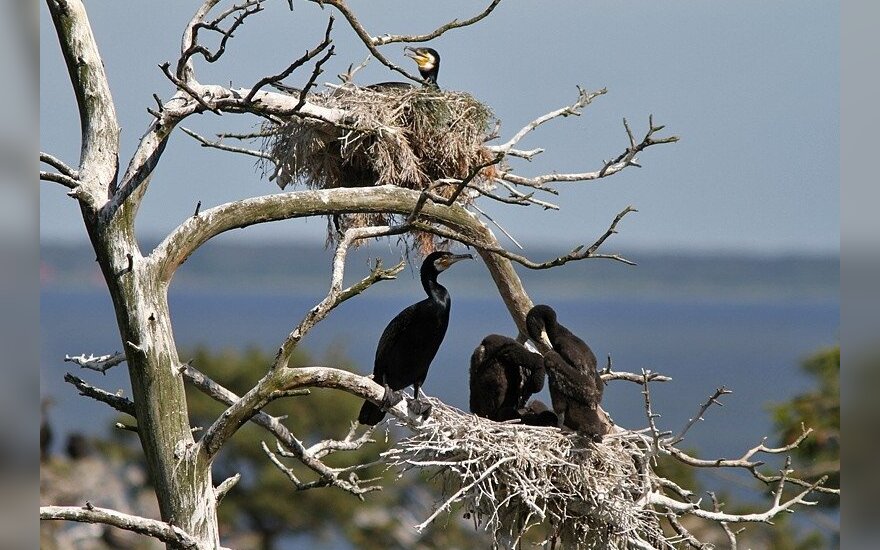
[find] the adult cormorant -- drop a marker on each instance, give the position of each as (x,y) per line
(428,61)
(411,340)
(574,395)
(503,375)
(542,319)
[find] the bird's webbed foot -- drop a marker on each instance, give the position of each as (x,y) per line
(390,398)
(419,407)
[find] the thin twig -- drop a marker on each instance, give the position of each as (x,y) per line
(306,57)
(713,400)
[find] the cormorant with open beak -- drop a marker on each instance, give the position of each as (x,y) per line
(428,61)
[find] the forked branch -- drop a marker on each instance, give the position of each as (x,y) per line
(309,457)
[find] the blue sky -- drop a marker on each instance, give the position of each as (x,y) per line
(751,87)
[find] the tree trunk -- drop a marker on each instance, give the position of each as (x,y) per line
(181,477)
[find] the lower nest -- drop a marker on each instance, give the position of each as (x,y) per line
(409,137)
(536,484)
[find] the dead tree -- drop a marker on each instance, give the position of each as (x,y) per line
(179,464)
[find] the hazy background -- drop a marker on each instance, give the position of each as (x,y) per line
(737,235)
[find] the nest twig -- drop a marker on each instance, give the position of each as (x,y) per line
(409,137)
(549,486)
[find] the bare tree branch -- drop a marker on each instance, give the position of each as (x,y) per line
(336,294)
(327,476)
(118,402)
(584,99)
(59,165)
(354,482)
(454,24)
(217,144)
(778,507)
(578,253)
(367,39)
(225,486)
(308,56)
(100,363)
(611,167)
(150,527)
(241,13)
(649,413)
(63,179)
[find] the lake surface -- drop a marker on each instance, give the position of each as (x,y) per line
(749,342)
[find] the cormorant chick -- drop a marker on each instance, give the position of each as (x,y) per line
(503,375)
(536,413)
(574,396)
(411,340)
(575,352)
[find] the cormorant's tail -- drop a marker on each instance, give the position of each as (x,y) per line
(371,414)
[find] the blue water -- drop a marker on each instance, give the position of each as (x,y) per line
(753,348)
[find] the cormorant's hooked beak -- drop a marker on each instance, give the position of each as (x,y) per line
(443,263)
(532,344)
(546,339)
(458,257)
(411,52)
(422,59)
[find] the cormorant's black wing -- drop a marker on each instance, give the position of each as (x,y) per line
(526,370)
(409,344)
(576,386)
(579,355)
(488,382)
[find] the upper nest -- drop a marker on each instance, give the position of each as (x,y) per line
(410,137)
(395,135)
(514,478)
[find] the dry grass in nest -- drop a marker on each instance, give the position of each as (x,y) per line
(409,137)
(526,484)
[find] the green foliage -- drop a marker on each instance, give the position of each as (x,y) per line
(818,409)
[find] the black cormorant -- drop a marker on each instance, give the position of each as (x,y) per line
(503,375)
(411,340)
(428,61)
(542,319)
(574,395)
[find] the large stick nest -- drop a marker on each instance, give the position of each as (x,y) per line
(535,484)
(409,137)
